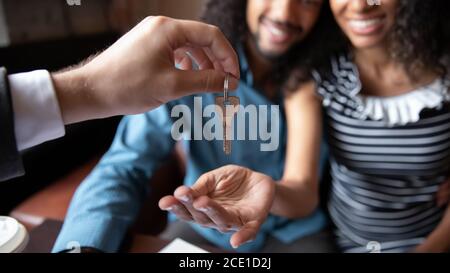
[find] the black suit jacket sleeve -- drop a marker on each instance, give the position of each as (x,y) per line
(10,160)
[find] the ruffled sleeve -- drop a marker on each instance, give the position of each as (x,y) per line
(407,108)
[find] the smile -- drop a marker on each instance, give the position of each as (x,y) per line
(366,26)
(277,32)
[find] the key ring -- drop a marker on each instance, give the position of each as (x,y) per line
(225,87)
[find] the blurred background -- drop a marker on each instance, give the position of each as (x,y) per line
(53,34)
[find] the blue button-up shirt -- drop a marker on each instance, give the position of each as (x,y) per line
(108,201)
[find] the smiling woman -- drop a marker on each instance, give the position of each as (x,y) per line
(368,27)
(414,32)
(387,103)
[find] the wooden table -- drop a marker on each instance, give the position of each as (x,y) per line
(43,237)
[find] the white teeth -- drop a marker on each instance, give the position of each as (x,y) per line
(364,23)
(276,31)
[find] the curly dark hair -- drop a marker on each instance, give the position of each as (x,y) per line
(420,38)
(296,65)
(421,35)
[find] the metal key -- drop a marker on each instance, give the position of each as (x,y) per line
(228,106)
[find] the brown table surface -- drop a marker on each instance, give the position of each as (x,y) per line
(43,237)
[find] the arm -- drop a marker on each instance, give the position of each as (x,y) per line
(297,195)
(237,199)
(439,240)
(138,73)
(108,201)
(134,75)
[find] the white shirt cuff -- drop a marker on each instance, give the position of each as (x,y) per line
(37,116)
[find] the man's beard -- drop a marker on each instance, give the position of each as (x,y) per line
(270,57)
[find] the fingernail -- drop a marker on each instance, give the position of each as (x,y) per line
(176,207)
(168,209)
(185,198)
(249,241)
(206,209)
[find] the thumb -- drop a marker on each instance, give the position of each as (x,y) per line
(203,81)
(246,234)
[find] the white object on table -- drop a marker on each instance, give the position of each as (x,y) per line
(13,235)
(181,246)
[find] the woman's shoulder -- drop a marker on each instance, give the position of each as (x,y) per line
(339,84)
(340,90)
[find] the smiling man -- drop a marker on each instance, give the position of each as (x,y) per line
(275,27)
(270,37)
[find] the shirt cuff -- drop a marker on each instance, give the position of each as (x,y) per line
(37,116)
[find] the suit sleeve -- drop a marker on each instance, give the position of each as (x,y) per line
(10,159)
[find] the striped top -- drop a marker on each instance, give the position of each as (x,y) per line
(388,159)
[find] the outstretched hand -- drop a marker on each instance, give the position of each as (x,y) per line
(230,199)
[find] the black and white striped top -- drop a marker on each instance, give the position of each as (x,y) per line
(388,158)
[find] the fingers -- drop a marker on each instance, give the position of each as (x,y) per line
(170,203)
(205,184)
(198,55)
(222,219)
(203,35)
(245,235)
(216,63)
(182,60)
(208,78)
(443,195)
(186,196)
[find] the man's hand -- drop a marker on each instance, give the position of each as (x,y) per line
(138,72)
(231,198)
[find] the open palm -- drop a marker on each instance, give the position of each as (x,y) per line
(231,198)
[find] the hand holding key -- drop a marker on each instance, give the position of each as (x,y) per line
(230,199)
(138,72)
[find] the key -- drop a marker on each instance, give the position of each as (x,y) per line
(228,106)
(228,110)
